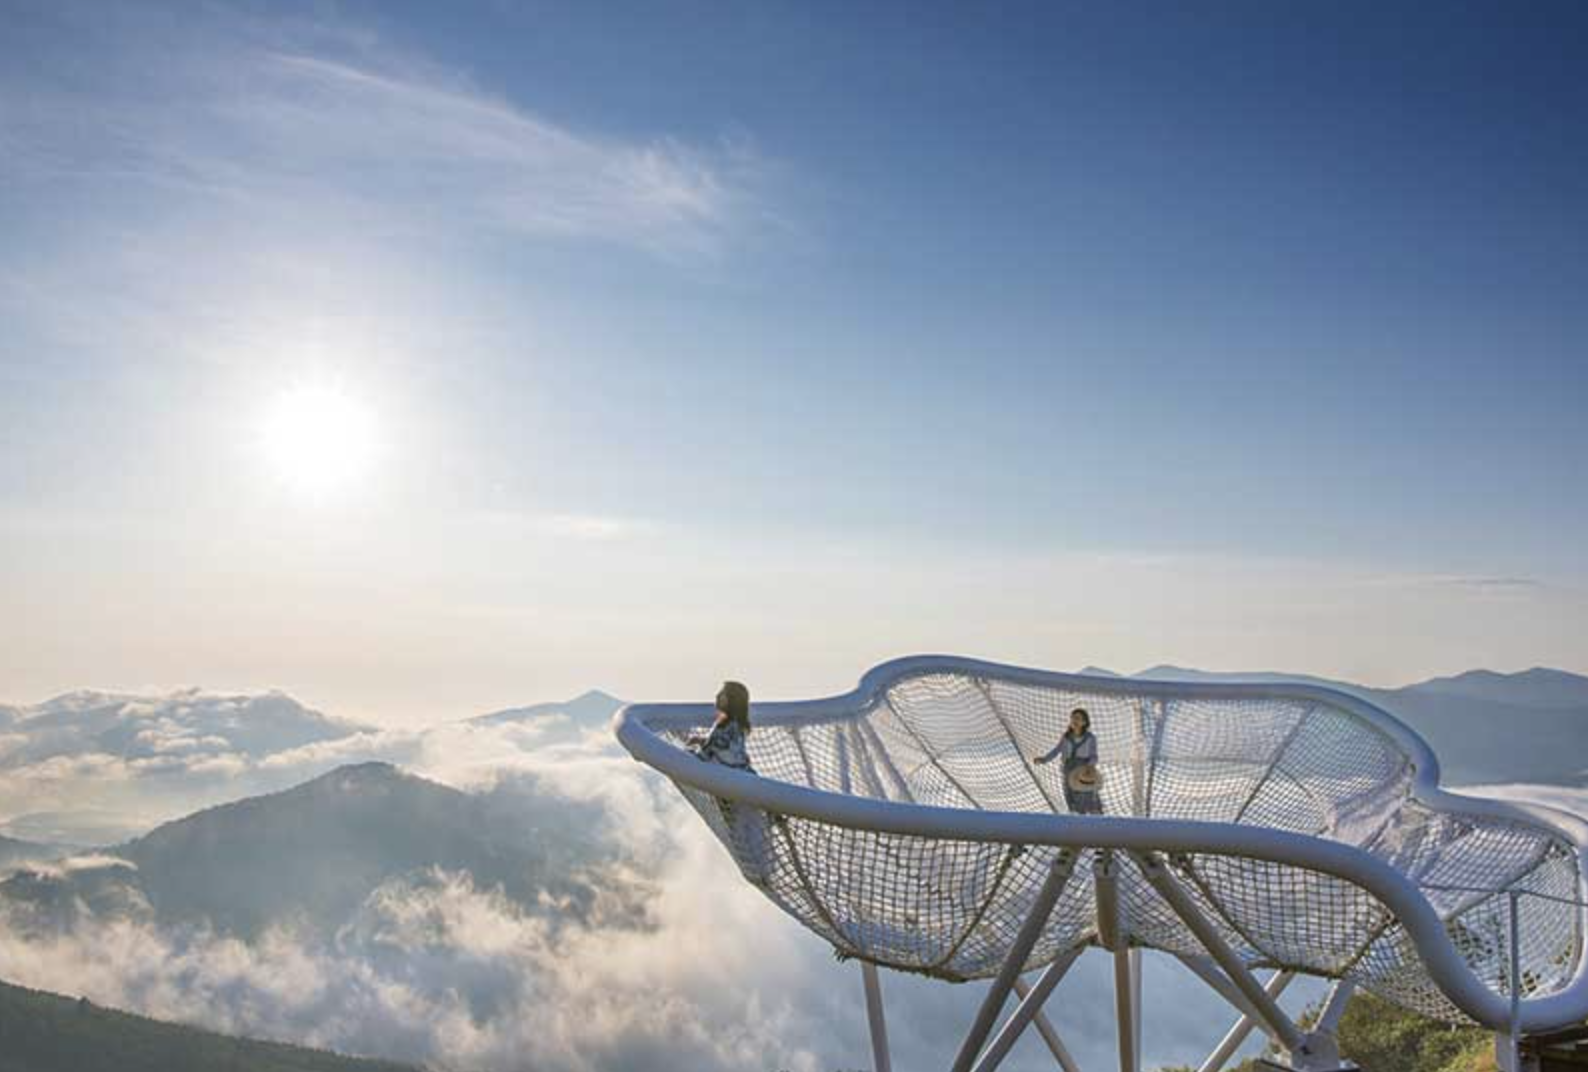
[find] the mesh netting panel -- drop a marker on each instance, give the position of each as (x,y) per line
(951,908)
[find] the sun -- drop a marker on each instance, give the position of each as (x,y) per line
(318,439)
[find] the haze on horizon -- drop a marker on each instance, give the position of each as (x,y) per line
(426,361)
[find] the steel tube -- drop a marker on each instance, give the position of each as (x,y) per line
(1052,886)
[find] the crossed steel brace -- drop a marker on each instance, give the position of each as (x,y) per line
(1220,967)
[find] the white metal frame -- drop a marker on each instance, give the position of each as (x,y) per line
(1146,840)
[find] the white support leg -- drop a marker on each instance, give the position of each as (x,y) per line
(1127,1006)
(1105,886)
(1014,964)
(1272,1016)
(1135,995)
(1512,1049)
(1113,934)
(1049,1033)
(1032,999)
(1334,1008)
(1237,1035)
(1204,968)
(1506,1057)
(880,1061)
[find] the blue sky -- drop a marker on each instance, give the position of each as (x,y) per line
(779,339)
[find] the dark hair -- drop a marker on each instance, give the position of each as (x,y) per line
(733,700)
(1086,719)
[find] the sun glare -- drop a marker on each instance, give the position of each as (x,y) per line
(318,439)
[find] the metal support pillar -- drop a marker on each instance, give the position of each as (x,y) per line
(1135,995)
(1508,1047)
(1204,968)
(1113,933)
(1127,1008)
(1505,1057)
(1042,907)
(1032,999)
(1050,1034)
(1272,1016)
(1237,1034)
(1334,1008)
(1105,886)
(880,1061)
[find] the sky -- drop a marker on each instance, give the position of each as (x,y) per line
(421,360)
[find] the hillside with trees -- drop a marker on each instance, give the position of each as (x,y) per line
(42,1032)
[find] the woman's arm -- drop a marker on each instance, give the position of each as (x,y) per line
(702,740)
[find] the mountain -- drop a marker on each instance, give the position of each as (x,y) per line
(100,769)
(50,1033)
(54,900)
(14,851)
(1538,687)
(76,828)
(1167,672)
(1484,726)
(311,855)
(92,768)
(590,710)
(1501,736)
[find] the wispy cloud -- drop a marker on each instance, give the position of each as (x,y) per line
(378,138)
(1494,584)
(404,139)
(1475,583)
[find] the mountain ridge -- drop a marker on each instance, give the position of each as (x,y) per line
(310,856)
(1462,716)
(592,707)
(47,1032)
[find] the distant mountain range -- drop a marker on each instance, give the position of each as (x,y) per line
(312,855)
(13,851)
(1484,726)
(50,1033)
(95,769)
(589,710)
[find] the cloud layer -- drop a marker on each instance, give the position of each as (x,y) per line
(91,768)
(433,968)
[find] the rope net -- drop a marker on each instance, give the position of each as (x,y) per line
(951,909)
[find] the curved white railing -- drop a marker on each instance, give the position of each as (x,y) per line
(637,729)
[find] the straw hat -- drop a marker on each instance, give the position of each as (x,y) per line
(1087,779)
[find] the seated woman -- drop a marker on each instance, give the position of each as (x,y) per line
(726,740)
(725,744)
(1082,780)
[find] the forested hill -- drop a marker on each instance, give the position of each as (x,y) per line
(42,1032)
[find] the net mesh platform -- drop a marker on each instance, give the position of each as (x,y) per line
(966,740)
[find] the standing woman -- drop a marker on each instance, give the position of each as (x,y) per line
(1082,780)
